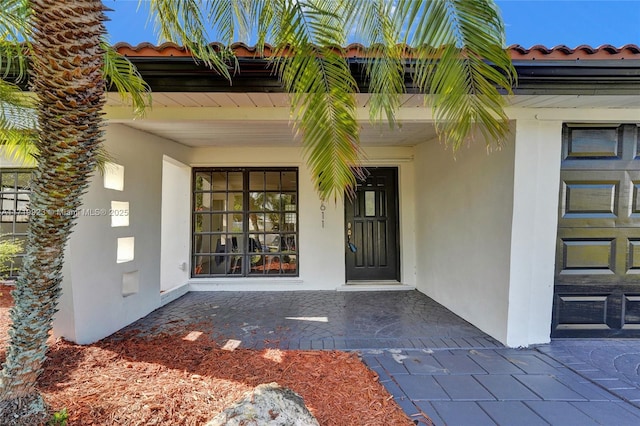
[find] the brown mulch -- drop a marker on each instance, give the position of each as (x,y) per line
(182,378)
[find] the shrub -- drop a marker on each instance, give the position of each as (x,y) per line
(8,250)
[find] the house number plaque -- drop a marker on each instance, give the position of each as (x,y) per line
(322,209)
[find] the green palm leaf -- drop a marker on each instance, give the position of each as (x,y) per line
(124,76)
(460,52)
(18,124)
(260,16)
(458,48)
(17,145)
(14,31)
(384,63)
(313,69)
(186,22)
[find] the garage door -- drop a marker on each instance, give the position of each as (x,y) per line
(597,281)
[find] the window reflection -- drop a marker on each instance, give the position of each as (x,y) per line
(253,228)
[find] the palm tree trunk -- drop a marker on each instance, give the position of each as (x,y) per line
(67,78)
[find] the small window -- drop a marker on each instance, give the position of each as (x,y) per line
(245,222)
(15,191)
(125,251)
(119,213)
(114,176)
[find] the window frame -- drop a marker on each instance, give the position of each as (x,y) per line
(238,251)
(14,212)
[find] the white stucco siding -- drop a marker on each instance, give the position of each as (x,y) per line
(176,223)
(95,302)
(533,239)
(464,208)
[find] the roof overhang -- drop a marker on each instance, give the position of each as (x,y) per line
(195,106)
(562,71)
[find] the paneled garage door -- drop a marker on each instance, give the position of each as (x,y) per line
(597,282)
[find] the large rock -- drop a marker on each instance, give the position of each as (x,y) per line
(268,404)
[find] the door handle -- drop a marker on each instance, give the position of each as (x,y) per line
(350,245)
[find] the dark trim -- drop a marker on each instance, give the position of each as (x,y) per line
(599,77)
(596,77)
(535,77)
(185,75)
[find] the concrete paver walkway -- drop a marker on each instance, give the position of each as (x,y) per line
(431,361)
(498,386)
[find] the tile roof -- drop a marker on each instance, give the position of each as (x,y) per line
(584,70)
(604,52)
(538,52)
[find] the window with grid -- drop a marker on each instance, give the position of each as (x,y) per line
(245,222)
(14,218)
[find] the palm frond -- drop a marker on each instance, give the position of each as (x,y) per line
(124,76)
(384,63)
(462,61)
(18,123)
(15,33)
(103,159)
(184,22)
(260,15)
(17,145)
(313,69)
(230,18)
(17,109)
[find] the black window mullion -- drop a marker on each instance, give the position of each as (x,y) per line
(245,222)
(268,259)
(12,211)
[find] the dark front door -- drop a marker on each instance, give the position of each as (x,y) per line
(597,283)
(371,226)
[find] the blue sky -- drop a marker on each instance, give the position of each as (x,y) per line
(528,22)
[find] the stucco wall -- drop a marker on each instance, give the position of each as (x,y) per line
(176,223)
(533,239)
(95,299)
(464,209)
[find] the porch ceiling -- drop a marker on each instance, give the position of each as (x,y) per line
(281,100)
(262,119)
(252,119)
(255,133)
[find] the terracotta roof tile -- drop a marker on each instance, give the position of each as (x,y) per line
(147,49)
(538,52)
(562,52)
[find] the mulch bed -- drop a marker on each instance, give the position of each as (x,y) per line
(182,378)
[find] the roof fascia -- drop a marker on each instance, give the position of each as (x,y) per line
(570,77)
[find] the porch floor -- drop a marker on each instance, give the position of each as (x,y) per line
(429,359)
(321,320)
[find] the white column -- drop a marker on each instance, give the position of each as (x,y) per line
(175,224)
(534,227)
